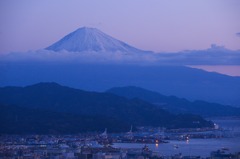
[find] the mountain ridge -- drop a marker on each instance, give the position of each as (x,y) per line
(174,104)
(183,82)
(57,98)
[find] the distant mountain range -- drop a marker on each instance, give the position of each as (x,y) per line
(176,105)
(56,98)
(183,82)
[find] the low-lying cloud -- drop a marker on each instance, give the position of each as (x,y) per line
(216,55)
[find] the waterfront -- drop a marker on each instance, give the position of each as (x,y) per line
(147,142)
(194,147)
(198,147)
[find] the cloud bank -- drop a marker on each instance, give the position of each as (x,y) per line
(216,55)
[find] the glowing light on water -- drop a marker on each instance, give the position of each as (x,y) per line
(187,141)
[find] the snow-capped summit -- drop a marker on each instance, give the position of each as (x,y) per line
(91,39)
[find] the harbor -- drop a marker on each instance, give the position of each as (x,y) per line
(144,143)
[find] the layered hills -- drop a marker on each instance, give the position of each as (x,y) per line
(176,105)
(92,60)
(183,82)
(56,98)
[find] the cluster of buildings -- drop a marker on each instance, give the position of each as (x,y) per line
(64,147)
(99,146)
(82,147)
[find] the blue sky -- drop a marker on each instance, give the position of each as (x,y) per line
(157,25)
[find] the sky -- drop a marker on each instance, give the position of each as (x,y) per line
(156,25)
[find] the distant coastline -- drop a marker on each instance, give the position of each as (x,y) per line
(231,70)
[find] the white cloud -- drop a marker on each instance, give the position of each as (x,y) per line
(83,57)
(216,55)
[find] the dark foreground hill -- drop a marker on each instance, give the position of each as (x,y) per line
(21,120)
(57,98)
(174,104)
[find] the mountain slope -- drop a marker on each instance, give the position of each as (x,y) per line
(91,39)
(174,104)
(51,96)
(22,120)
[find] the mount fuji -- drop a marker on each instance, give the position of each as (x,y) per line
(90,45)
(91,39)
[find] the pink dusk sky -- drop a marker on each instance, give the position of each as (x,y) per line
(156,25)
